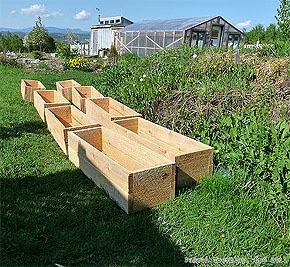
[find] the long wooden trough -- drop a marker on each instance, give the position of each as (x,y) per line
(132,174)
(107,109)
(28,87)
(193,159)
(80,93)
(65,88)
(47,99)
(61,120)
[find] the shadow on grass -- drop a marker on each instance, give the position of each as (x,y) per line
(64,218)
(17,129)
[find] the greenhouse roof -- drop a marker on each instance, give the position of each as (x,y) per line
(169,24)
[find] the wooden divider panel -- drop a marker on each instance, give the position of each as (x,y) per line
(80,93)
(47,99)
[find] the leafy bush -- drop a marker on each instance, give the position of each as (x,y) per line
(12,62)
(79,63)
(37,54)
(113,54)
(64,51)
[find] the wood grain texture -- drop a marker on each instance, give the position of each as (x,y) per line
(80,93)
(193,159)
(104,110)
(65,88)
(61,120)
(121,197)
(28,87)
(47,99)
(132,176)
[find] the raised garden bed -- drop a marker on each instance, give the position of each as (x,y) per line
(106,109)
(47,99)
(28,87)
(80,93)
(61,120)
(132,175)
(65,88)
(193,159)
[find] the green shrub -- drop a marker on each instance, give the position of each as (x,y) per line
(37,54)
(12,62)
(113,54)
(63,50)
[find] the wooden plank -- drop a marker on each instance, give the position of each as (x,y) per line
(79,93)
(61,120)
(121,197)
(122,168)
(131,134)
(65,88)
(153,187)
(47,99)
(104,110)
(28,87)
(142,154)
(115,172)
(193,158)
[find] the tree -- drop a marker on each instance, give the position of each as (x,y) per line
(39,34)
(283,18)
(16,43)
(71,37)
(271,33)
(39,39)
(256,34)
(50,44)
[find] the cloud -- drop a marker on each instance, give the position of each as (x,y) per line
(40,10)
(13,12)
(82,15)
(244,24)
(34,9)
(52,14)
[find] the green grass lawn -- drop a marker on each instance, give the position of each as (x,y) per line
(51,213)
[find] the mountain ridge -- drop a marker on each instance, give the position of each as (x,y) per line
(49,29)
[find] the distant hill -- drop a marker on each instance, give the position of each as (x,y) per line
(56,33)
(49,29)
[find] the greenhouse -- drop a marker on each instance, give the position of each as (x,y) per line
(151,36)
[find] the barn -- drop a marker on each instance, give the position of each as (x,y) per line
(150,36)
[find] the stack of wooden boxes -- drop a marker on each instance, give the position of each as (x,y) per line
(138,163)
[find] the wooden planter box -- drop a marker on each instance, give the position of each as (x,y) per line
(61,120)
(47,99)
(65,88)
(80,93)
(106,109)
(193,159)
(133,175)
(28,87)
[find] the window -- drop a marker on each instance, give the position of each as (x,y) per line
(216,36)
(106,22)
(112,21)
(197,39)
(234,40)
(101,22)
(118,20)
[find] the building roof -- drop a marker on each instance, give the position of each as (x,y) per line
(169,24)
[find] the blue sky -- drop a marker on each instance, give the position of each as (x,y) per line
(82,13)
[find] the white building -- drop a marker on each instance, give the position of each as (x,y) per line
(102,35)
